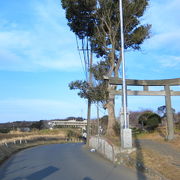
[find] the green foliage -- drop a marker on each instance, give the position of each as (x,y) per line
(37,125)
(100,69)
(82,86)
(149,120)
(98,22)
(144,117)
(96,92)
(153,121)
(93,93)
(80,16)
(5,130)
(106,39)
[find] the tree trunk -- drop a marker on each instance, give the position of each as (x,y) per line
(111,116)
(111,101)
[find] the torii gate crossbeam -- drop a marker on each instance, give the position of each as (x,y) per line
(146,83)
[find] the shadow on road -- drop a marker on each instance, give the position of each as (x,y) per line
(87,178)
(140,169)
(39,175)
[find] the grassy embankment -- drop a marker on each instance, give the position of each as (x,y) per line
(15,141)
(155,160)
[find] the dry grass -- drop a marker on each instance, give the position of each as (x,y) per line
(7,151)
(165,165)
(17,136)
(160,136)
(158,162)
(15,141)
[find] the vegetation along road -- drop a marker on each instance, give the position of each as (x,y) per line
(62,162)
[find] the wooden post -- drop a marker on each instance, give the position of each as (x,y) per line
(169,114)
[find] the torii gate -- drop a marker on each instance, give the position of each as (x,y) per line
(146,83)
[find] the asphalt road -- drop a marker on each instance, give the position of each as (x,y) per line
(63,162)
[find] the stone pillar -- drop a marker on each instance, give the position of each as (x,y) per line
(169,115)
(125,132)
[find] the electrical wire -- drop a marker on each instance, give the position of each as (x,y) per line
(83,65)
(85,58)
(103,112)
(87,50)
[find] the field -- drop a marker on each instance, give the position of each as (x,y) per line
(15,141)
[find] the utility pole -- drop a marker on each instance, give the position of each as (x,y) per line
(126,134)
(98,124)
(89,101)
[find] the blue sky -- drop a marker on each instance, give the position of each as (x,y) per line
(38,58)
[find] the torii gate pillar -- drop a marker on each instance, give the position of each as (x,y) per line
(169,114)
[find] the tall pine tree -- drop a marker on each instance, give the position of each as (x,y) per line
(98,20)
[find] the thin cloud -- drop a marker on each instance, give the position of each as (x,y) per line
(170,61)
(42,45)
(168,41)
(164,18)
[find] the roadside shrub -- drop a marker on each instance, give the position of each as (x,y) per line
(153,122)
(5,130)
(36,125)
(73,134)
(149,121)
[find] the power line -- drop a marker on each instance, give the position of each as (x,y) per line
(83,66)
(85,58)
(103,112)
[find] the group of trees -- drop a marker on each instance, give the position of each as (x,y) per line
(96,23)
(144,120)
(149,120)
(10,126)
